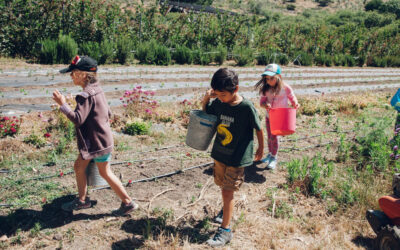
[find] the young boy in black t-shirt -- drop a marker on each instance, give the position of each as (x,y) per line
(233,145)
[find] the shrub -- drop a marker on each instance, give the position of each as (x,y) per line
(137,128)
(376,61)
(107,52)
(243,56)
(9,126)
(323,3)
(373,5)
(392,61)
(360,60)
(183,55)
(91,49)
(124,47)
(48,52)
(282,59)
(263,58)
(291,7)
(339,60)
(222,52)
(200,57)
(145,52)
(350,61)
(162,55)
(67,48)
(304,59)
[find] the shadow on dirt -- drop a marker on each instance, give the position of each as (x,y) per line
(364,242)
(155,228)
(251,174)
(51,216)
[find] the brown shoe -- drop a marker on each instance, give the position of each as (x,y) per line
(125,209)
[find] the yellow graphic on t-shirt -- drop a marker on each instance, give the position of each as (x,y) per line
(222,130)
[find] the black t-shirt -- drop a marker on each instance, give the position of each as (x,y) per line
(233,143)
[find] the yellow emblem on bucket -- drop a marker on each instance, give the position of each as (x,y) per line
(222,130)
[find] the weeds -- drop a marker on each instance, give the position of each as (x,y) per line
(137,128)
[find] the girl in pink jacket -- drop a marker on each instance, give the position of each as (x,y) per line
(274,94)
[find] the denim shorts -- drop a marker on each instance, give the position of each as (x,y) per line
(103,158)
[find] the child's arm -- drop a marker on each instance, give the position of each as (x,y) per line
(260,150)
(264,102)
(292,98)
(81,112)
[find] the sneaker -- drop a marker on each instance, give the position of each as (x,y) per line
(272,163)
(218,218)
(76,204)
(125,209)
(221,238)
(266,159)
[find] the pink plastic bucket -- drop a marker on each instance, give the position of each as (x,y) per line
(282,121)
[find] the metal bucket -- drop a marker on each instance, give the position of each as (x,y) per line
(93,176)
(201,129)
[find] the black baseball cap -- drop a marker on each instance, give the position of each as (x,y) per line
(84,63)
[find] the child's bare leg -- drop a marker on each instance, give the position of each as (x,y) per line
(113,181)
(227,197)
(80,175)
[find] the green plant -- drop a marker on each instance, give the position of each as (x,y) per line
(48,52)
(162,55)
(137,128)
(67,48)
(304,59)
(343,150)
(183,55)
(201,57)
(107,52)
(243,56)
(291,7)
(154,53)
(221,54)
(35,140)
(91,49)
(35,230)
(123,49)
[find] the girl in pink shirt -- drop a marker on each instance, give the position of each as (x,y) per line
(274,94)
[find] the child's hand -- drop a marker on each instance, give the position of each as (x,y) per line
(297,105)
(267,106)
(259,154)
(58,97)
(210,94)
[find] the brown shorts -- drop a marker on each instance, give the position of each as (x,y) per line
(228,178)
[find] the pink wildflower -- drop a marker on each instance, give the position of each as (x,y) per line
(139,87)
(47,135)
(40,114)
(121,98)
(13,130)
(1,125)
(6,118)
(125,105)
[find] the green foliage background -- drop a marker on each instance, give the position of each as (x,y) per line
(345,38)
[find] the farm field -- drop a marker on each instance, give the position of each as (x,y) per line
(341,111)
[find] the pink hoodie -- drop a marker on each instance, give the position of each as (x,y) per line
(280,100)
